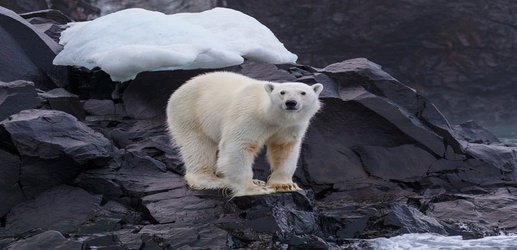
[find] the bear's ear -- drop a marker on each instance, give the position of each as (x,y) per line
(269,87)
(318,87)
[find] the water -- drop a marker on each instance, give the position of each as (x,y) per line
(434,241)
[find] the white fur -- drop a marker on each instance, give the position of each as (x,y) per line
(232,116)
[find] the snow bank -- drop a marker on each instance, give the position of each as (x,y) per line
(136,40)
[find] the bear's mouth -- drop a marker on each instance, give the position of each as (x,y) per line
(291,108)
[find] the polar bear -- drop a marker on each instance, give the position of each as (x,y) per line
(221,120)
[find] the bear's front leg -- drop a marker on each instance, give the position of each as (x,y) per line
(283,156)
(235,165)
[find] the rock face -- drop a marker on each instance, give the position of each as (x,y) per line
(379,160)
(456,53)
(17,96)
(27,53)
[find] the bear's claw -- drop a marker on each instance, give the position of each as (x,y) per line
(284,187)
(259,183)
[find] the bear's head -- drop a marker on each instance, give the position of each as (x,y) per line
(294,98)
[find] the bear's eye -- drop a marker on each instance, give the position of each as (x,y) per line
(303,93)
(282,92)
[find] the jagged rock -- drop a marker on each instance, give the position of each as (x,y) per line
(27,54)
(61,99)
(406,162)
(132,175)
(471,132)
(410,220)
(143,102)
(477,215)
(78,10)
(38,175)
(99,107)
(48,21)
(17,96)
(33,133)
(457,59)
(47,240)
(184,207)
(10,189)
(169,236)
(21,6)
(62,208)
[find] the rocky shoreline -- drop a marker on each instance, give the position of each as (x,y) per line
(87,163)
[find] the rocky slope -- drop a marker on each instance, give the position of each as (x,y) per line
(458,53)
(87,164)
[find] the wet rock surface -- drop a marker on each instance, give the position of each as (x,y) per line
(379,160)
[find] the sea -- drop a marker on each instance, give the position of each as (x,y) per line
(428,241)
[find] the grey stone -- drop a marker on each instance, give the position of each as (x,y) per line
(405,162)
(47,240)
(61,99)
(62,208)
(10,189)
(17,96)
(49,134)
(27,54)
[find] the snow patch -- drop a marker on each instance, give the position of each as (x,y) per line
(131,41)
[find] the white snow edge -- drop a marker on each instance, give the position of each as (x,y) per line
(131,41)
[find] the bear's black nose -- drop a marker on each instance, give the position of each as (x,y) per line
(290,104)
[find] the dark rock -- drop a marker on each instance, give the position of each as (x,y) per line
(265,71)
(99,107)
(169,236)
(141,98)
(182,206)
(49,14)
(10,189)
(33,133)
(27,54)
(279,217)
(386,96)
(405,162)
(446,49)
(17,96)
(132,175)
(77,10)
(472,132)
(410,220)
(501,157)
(61,99)
(48,21)
(47,240)
(478,215)
(103,242)
(38,175)
(20,6)
(62,208)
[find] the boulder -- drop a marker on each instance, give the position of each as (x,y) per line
(49,21)
(61,99)
(33,133)
(457,59)
(10,189)
(27,53)
(132,176)
(17,96)
(62,208)
(47,240)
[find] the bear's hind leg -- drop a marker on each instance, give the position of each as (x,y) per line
(235,164)
(200,156)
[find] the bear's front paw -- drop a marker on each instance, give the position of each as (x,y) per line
(284,187)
